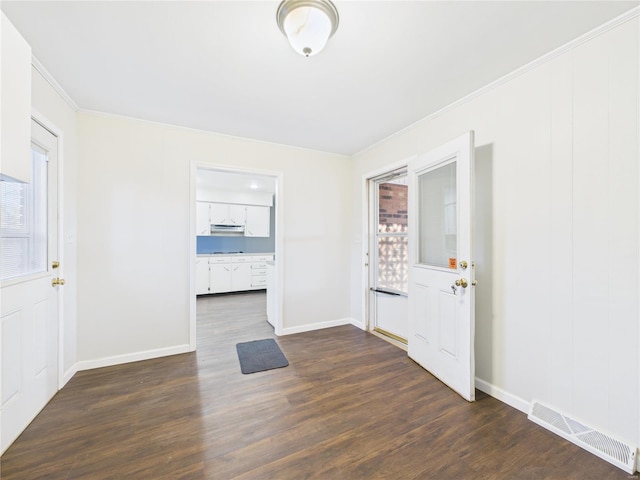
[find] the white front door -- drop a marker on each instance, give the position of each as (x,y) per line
(389,272)
(29,301)
(441,293)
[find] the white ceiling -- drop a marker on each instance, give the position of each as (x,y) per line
(224,66)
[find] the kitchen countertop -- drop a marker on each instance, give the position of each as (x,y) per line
(244,254)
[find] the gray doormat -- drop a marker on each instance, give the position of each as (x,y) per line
(260,355)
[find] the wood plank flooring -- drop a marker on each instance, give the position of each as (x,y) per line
(349,406)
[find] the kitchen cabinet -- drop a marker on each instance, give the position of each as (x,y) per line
(220,278)
(203,218)
(202,275)
(230,273)
(227,214)
(255,219)
(208,213)
(15,103)
(258,221)
(240,277)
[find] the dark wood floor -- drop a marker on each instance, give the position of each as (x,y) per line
(349,406)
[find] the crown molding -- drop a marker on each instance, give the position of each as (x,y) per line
(567,47)
(54,84)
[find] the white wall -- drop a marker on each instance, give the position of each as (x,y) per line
(51,105)
(134,238)
(557,235)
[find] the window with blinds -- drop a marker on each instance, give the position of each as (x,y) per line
(23,222)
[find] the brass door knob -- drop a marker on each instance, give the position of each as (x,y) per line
(462,282)
(57,281)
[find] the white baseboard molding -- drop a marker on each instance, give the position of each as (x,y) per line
(358,323)
(132,357)
(505,397)
(316,326)
(68,375)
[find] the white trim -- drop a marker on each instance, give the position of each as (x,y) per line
(51,127)
(208,132)
(366,236)
(131,357)
(359,324)
(279,240)
(317,326)
(68,375)
(192,255)
(35,63)
(505,397)
(567,47)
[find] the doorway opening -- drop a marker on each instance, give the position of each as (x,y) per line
(236,246)
(389,256)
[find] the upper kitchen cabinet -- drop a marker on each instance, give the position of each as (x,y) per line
(15,103)
(227,214)
(258,221)
(203,218)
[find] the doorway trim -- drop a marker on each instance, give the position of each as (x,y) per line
(367,216)
(279,242)
(38,117)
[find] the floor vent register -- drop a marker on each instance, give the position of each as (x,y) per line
(618,453)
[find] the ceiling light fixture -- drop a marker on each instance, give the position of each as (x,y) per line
(308,24)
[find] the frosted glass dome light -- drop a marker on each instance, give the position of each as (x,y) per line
(307,24)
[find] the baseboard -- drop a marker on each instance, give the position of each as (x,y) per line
(358,323)
(316,326)
(68,375)
(132,357)
(505,397)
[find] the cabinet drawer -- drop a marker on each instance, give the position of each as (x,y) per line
(257,272)
(259,265)
(258,281)
(241,259)
(216,259)
(262,258)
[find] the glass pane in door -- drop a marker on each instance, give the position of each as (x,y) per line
(392,206)
(437,218)
(23,221)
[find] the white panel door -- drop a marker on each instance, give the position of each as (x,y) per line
(29,299)
(441,293)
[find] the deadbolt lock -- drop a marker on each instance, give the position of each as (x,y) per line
(464,264)
(55,264)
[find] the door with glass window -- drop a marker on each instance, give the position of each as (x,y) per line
(29,280)
(389,255)
(441,280)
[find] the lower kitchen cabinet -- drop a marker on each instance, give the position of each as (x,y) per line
(234,273)
(220,279)
(202,275)
(240,277)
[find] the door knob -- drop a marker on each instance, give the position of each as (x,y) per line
(57,281)
(462,282)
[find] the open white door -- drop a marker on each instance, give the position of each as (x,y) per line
(441,277)
(29,281)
